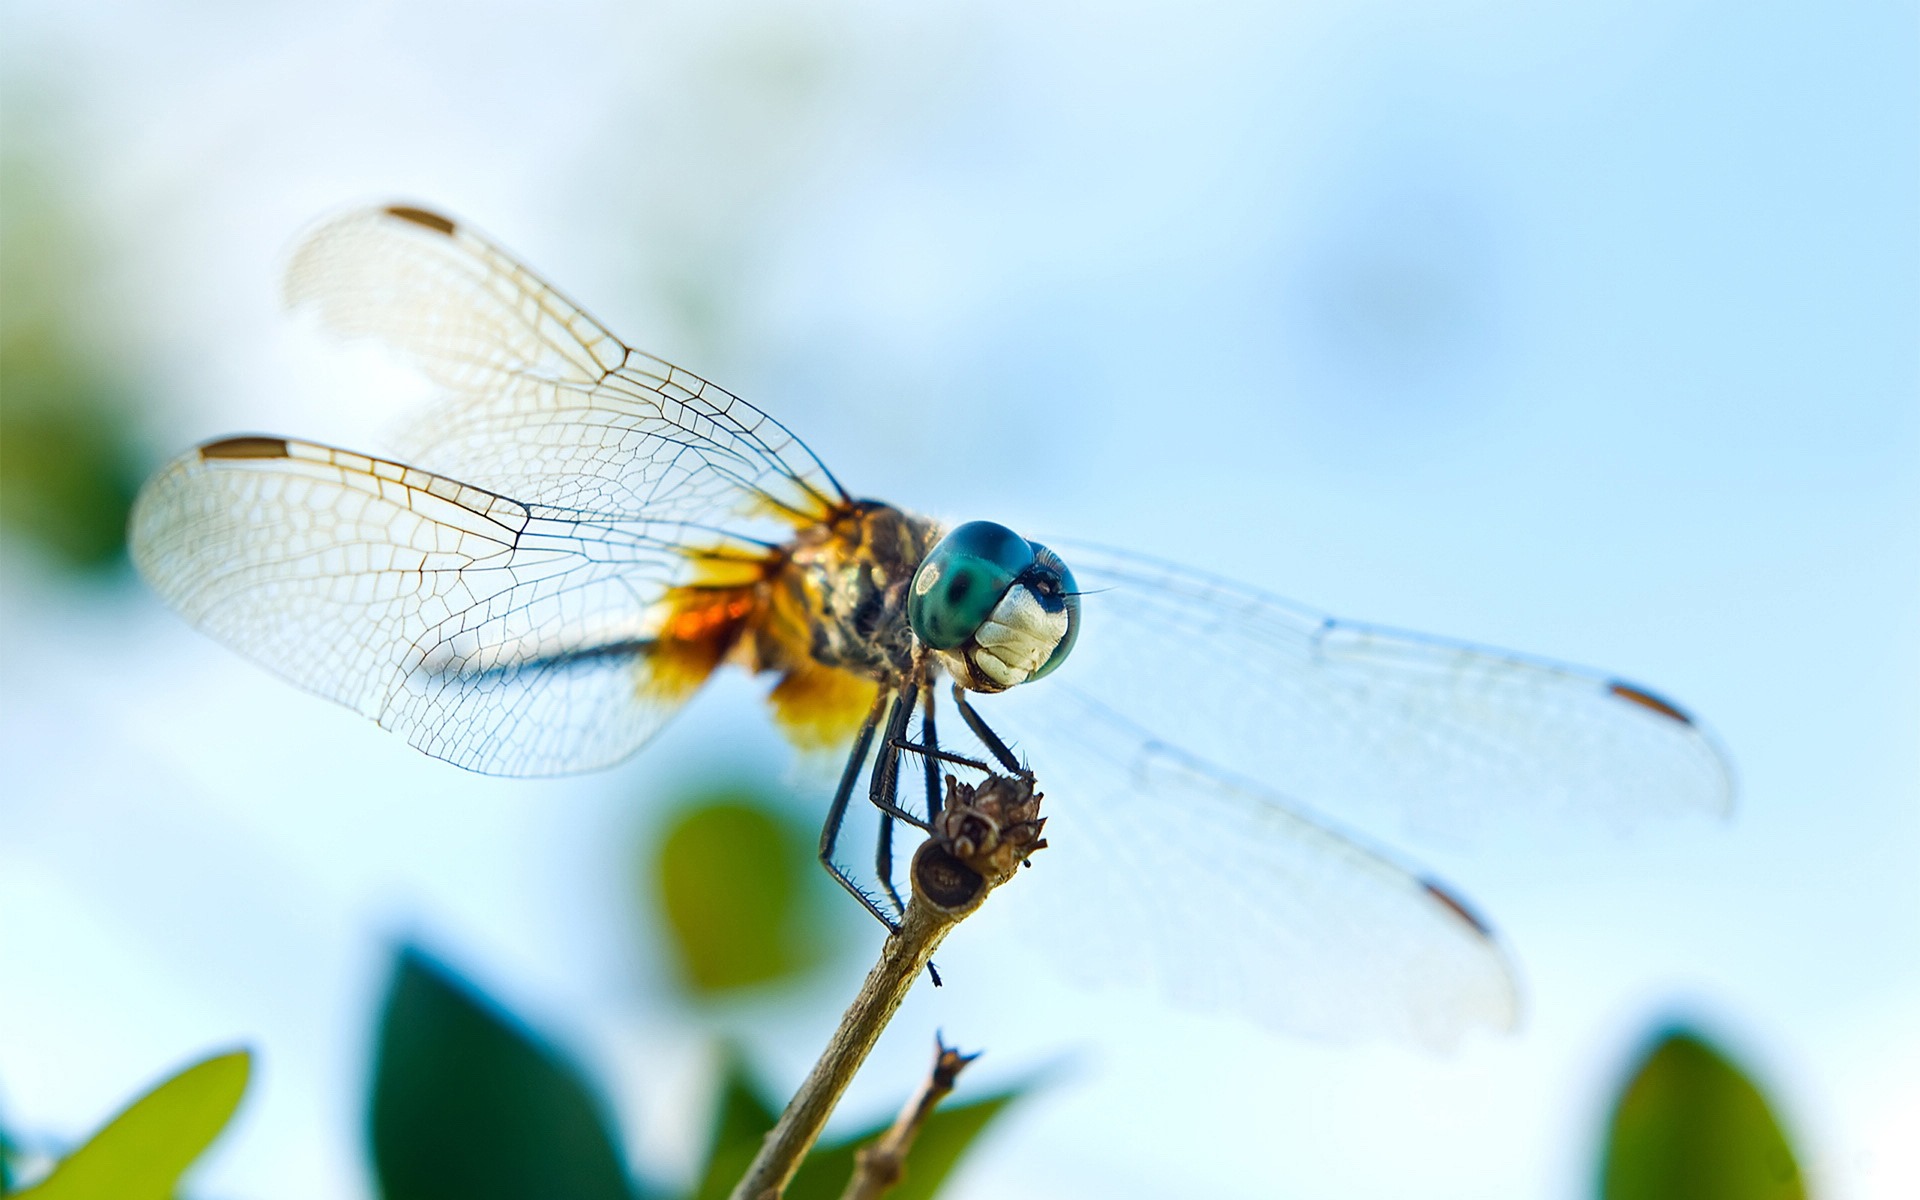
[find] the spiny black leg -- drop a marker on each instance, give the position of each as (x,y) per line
(883,786)
(948,756)
(886,769)
(837,815)
(988,737)
(884,792)
(930,752)
(883,865)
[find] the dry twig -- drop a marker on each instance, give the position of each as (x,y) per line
(981,838)
(883,1164)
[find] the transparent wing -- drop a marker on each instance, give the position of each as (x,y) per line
(1192,744)
(1371,723)
(1164,871)
(499,601)
(506,637)
(543,403)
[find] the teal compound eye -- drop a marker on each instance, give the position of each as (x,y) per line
(1053,583)
(962,579)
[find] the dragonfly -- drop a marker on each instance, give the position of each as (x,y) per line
(578,535)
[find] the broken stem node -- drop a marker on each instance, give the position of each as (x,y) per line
(883,1164)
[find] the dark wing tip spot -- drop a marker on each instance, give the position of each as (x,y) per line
(1649,701)
(1457,906)
(245,447)
(420,216)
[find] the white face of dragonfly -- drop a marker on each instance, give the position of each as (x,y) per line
(1016,639)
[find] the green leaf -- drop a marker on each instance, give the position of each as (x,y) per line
(1690,1126)
(735,885)
(468,1104)
(744,1117)
(943,1139)
(67,480)
(69,464)
(742,1120)
(141,1154)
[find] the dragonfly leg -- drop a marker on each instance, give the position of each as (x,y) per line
(928,748)
(883,865)
(934,754)
(885,789)
(883,792)
(988,738)
(930,751)
(837,815)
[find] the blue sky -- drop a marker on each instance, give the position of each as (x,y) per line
(1588,330)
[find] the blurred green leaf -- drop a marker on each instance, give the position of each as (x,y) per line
(745,1116)
(943,1139)
(468,1104)
(141,1154)
(65,479)
(742,1120)
(69,462)
(1690,1126)
(733,881)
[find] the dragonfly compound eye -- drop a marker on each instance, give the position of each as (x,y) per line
(1000,609)
(962,580)
(1053,584)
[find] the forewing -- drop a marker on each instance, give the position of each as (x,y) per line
(502,636)
(1369,722)
(1162,870)
(543,403)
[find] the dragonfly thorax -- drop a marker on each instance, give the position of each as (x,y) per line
(848,579)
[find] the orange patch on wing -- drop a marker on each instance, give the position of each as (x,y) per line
(714,569)
(748,610)
(700,629)
(712,613)
(814,509)
(820,708)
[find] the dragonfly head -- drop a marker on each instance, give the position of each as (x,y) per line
(995,608)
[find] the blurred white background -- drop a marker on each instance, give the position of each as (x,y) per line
(1587,329)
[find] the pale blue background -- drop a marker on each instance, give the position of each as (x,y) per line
(1587,329)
